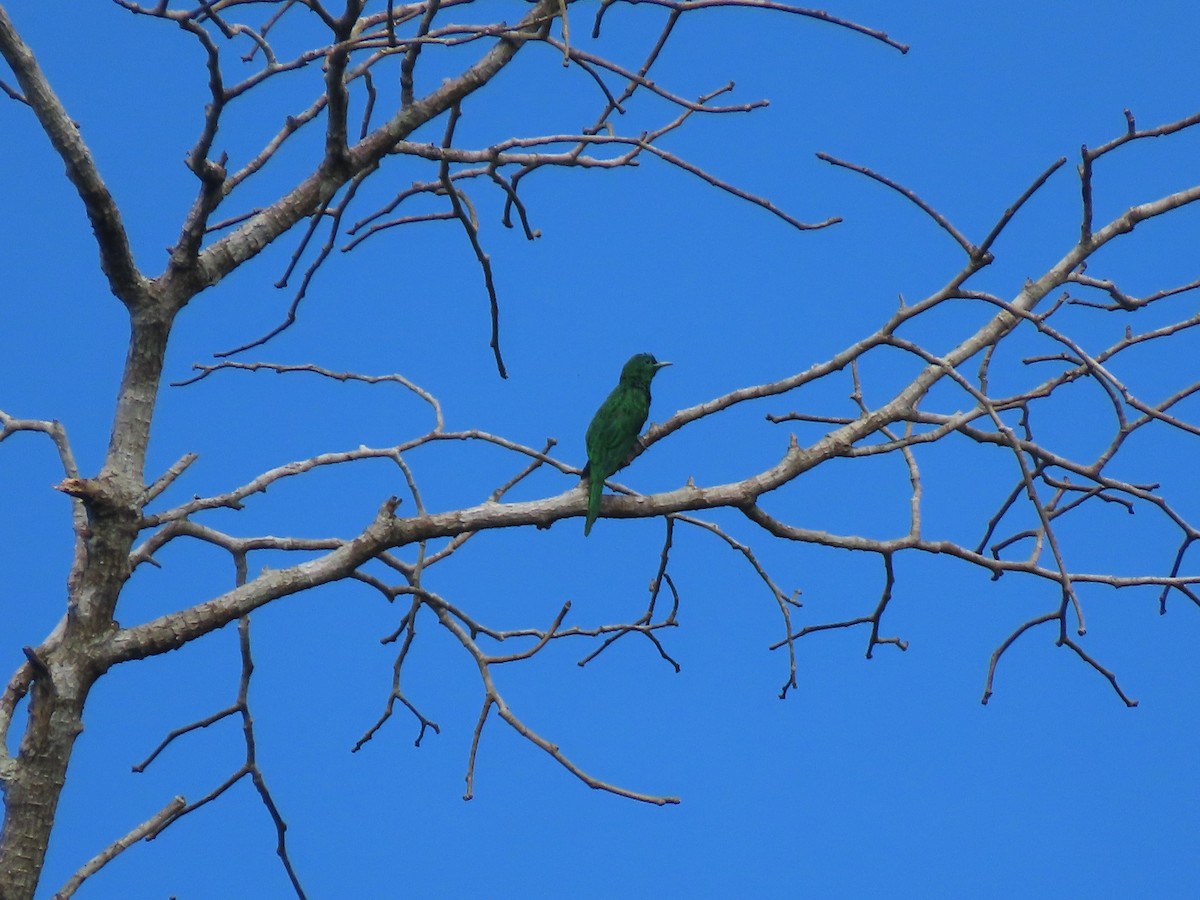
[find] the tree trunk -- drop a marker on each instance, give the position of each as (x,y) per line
(55,719)
(64,668)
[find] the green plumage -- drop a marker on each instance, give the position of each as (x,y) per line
(613,434)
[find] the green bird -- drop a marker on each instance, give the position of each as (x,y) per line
(613,434)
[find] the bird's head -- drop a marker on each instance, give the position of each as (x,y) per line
(641,368)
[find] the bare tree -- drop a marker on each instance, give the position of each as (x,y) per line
(357,59)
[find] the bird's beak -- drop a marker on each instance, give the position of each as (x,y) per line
(661,364)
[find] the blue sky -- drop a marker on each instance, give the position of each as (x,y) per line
(874,775)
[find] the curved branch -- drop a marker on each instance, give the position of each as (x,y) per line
(116,256)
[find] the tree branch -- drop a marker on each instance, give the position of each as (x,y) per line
(116,257)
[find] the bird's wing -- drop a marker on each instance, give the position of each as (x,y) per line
(614,429)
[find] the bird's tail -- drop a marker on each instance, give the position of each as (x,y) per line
(595,489)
